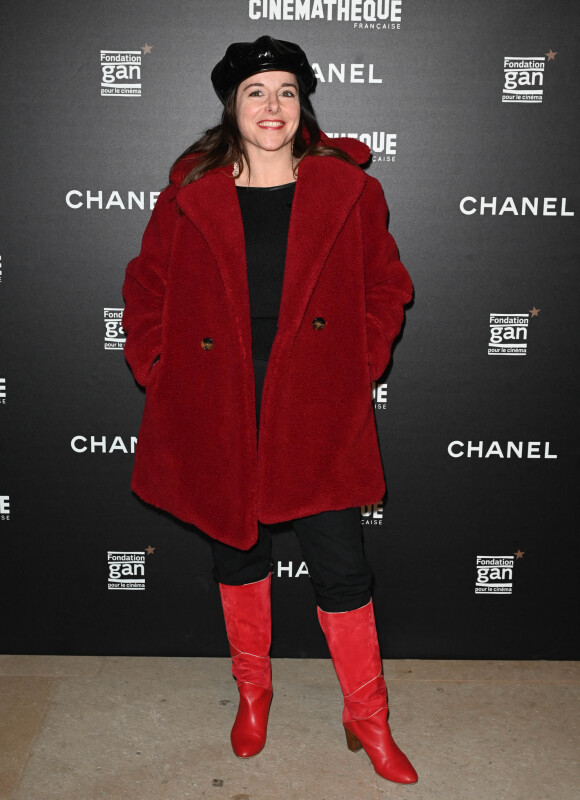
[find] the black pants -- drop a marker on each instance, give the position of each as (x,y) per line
(331,544)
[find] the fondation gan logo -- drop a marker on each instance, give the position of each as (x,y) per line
(523,78)
(121,72)
(127,569)
(495,573)
(361,14)
(114,334)
(4,507)
(508,333)
(2,391)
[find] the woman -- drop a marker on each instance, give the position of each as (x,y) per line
(267,295)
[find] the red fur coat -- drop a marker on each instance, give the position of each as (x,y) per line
(196,455)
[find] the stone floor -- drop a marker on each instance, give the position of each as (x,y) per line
(110,728)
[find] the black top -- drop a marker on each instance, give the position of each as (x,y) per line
(266,218)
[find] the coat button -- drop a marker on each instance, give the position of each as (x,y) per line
(318,323)
(207,343)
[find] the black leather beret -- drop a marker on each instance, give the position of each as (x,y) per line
(266,54)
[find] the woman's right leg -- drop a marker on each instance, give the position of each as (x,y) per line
(236,567)
(244,582)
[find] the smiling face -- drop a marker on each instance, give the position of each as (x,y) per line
(268,110)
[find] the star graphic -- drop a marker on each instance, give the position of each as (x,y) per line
(149,550)
(147,49)
(551,55)
(519,553)
(535,311)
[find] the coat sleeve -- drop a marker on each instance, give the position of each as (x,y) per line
(388,286)
(144,288)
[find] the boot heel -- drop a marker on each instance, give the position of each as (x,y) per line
(352,742)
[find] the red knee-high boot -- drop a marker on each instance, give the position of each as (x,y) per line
(354,647)
(248,618)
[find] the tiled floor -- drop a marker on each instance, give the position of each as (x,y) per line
(158,729)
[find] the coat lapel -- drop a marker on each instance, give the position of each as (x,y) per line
(325,195)
(212,205)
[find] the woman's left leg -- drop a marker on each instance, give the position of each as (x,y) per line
(331,545)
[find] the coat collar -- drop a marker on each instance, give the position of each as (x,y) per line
(327,190)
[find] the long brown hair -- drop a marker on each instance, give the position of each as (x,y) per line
(221,145)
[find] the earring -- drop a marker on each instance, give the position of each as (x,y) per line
(236,170)
(292,156)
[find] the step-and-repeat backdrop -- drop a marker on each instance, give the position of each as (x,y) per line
(471,112)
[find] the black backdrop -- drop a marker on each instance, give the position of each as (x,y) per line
(464,103)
